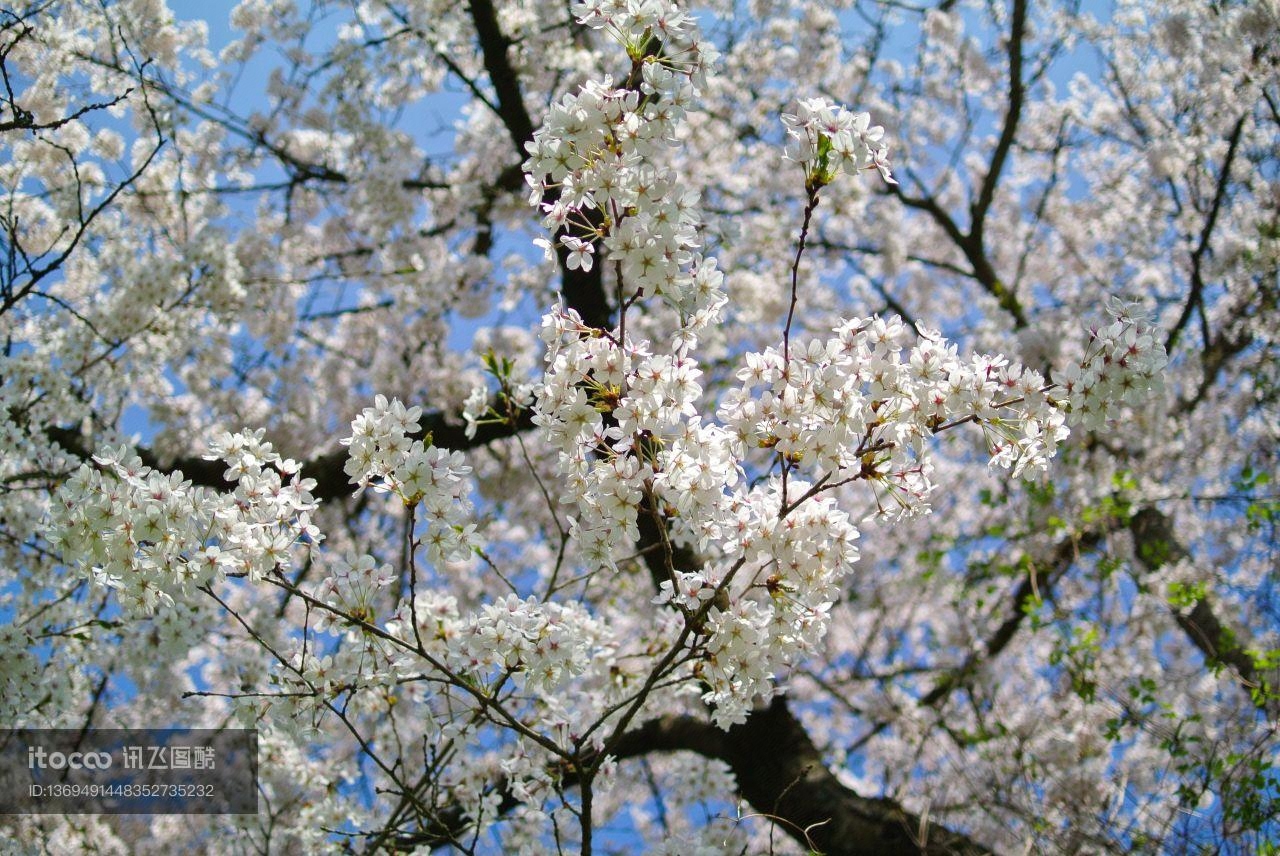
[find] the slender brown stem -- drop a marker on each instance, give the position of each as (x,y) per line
(809,208)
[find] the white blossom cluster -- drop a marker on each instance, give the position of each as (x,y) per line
(595,157)
(324,675)
(654,439)
(353,589)
(655,443)
(21,683)
(783,570)
(626,425)
(477,408)
(862,404)
(1122,365)
(154,538)
(626,420)
(383,455)
(641,25)
(524,645)
(536,645)
(825,138)
(541,645)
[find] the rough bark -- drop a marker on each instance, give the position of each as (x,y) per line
(780,772)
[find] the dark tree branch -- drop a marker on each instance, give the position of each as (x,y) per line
(781,773)
(583,290)
(494,45)
(972,244)
(1017,92)
(1157,545)
(327,469)
(974,252)
(1195,295)
(1035,586)
(1212,361)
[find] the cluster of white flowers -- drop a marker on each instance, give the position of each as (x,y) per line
(353,589)
(310,678)
(620,415)
(384,455)
(825,138)
(642,25)
(862,404)
(380,439)
(154,538)
(434,615)
(536,647)
(20,673)
(788,568)
(626,421)
(1122,365)
(652,439)
(596,151)
(474,408)
(655,441)
(514,394)
(540,644)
